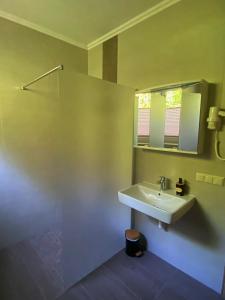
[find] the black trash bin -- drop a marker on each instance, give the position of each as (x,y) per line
(133,243)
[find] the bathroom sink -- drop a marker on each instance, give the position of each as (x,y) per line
(164,206)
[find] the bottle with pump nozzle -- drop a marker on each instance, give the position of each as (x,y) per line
(180,187)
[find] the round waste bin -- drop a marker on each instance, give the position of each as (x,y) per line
(133,245)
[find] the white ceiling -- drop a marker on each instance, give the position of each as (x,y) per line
(84,23)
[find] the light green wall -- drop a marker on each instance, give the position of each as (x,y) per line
(95,60)
(184,42)
(25,54)
(29,131)
(65,151)
(110,59)
(102,60)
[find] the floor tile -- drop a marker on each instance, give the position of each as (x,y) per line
(145,278)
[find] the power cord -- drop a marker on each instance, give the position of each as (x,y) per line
(217,143)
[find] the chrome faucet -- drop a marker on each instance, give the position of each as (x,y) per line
(162,183)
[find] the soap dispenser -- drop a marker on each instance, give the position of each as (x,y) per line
(180,187)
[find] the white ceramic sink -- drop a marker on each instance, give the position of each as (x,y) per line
(164,206)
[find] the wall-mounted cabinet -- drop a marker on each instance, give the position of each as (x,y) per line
(171,117)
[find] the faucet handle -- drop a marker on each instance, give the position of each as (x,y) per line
(162,178)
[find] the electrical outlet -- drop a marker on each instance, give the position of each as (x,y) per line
(208,178)
(200,177)
(218,180)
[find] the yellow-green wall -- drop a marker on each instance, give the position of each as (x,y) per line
(110,59)
(30,129)
(25,54)
(65,151)
(95,62)
(184,42)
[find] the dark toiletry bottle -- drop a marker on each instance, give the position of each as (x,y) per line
(180,187)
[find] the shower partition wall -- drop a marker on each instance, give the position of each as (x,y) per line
(65,151)
(96,120)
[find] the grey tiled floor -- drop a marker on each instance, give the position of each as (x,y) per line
(146,278)
(31,270)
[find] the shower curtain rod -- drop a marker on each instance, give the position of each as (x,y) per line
(24,87)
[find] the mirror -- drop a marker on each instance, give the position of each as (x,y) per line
(171,117)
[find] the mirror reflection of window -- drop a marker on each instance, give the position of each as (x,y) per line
(144,113)
(172,118)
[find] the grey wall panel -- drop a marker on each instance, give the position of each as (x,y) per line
(63,157)
(97,123)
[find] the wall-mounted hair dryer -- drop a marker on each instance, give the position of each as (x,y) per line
(214,119)
(215,123)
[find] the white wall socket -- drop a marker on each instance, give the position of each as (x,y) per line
(208,179)
(218,180)
(200,177)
